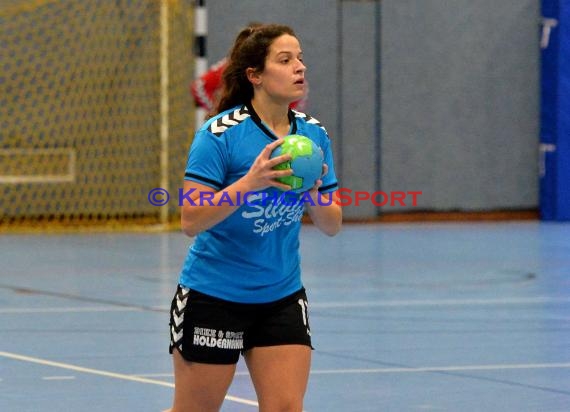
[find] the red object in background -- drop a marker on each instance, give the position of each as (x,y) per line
(205,88)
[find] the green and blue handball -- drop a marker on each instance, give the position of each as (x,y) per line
(306,161)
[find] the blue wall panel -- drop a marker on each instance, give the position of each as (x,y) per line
(555,111)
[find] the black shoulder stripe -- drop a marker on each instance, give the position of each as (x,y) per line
(328,187)
(207,181)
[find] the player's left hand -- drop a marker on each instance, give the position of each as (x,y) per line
(314,191)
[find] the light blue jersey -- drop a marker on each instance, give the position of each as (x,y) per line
(253,255)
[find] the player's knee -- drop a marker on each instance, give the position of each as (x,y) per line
(199,406)
(282,404)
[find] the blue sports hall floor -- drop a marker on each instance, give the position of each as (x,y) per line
(404,316)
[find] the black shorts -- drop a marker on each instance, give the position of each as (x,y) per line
(210,330)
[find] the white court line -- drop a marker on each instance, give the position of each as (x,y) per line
(107,374)
(539,300)
(69,309)
(58,378)
(170,375)
(457,368)
(441,302)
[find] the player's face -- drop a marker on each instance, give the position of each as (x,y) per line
(283,78)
